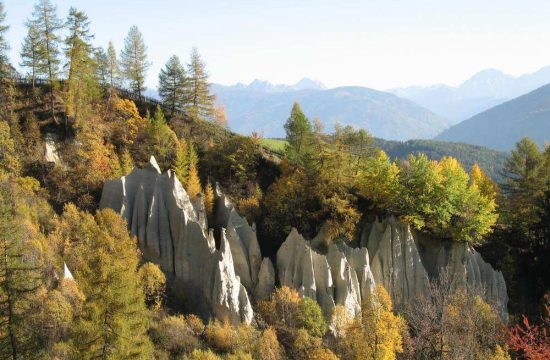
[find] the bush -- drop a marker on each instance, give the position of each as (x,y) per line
(310,317)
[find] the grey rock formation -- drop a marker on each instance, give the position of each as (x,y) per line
(171,232)
(266,280)
(242,240)
(395,261)
(403,262)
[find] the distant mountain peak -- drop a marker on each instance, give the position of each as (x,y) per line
(309,84)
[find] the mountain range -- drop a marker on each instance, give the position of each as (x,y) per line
(482,91)
(502,126)
(264,107)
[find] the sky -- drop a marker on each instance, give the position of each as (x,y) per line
(380,44)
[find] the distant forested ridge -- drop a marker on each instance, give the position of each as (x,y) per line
(491,161)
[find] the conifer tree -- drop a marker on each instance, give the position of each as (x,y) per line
(4,46)
(134,62)
(48,25)
(181,165)
(113,321)
(172,84)
(101,62)
(19,281)
(209,200)
(193,183)
(299,134)
(113,68)
(200,103)
(29,52)
(81,68)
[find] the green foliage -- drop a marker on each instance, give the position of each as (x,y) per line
(378,181)
(160,141)
(114,320)
(437,197)
(113,68)
(82,81)
(299,136)
(29,51)
(233,163)
(19,275)
(173,85)
(275,145)
(199,101)
(9,161)
(310,317)
(491,161)
(133,61)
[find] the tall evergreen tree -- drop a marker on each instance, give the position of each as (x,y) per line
(81,67)
(134,62)
(48,26)
(29,52)
(113,68)
(172,84)
(4,46)
(102,64)
(200,103)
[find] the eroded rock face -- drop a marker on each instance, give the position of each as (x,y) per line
(172,232)
(242,241)
(403,262)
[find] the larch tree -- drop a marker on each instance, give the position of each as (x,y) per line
(133,60)
(200,103)
(299,134)
(4,46)
(113,69)
(29,52)
(102,66)
(19,279)
(81,67)
(113,321)
(48,26)
(172,85)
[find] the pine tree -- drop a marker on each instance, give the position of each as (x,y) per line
(4,46)
(134,62)
(113,68)
(102,64)
(29,52)
(200,103)
(19,280)
(48,26)
(81,68)
(172,84)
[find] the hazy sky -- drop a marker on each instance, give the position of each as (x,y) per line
(374,43)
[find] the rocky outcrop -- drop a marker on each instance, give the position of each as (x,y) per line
(172,232)
(242,240)
(404,261)
(50,149)
(338,278)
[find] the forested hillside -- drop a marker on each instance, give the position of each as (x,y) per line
(382,114)
(75,279)
(502,126)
